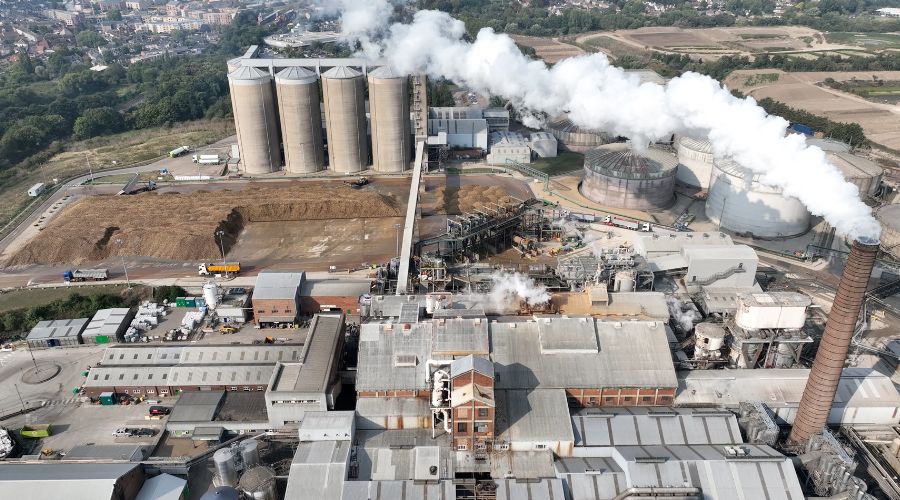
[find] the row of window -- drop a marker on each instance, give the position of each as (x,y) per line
(615,400)
(274,311)
(464,412)
(463,427)
(166,391)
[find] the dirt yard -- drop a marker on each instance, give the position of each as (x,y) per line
(881,122)
(182,226)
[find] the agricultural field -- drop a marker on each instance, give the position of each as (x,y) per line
(871,41)
(880,121)
(549,50)
(887,92)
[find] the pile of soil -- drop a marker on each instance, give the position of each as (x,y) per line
(459,200)
(183,226)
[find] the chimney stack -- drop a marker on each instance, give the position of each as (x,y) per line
(818,395)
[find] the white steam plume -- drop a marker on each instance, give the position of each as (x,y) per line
(600,96)
(511,288)
(683,317)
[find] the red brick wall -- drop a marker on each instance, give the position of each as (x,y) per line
(312,305)
(621,396)
(264,307)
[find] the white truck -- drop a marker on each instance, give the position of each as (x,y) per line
(206,159)
(179,151)
(611,220)
(37,189)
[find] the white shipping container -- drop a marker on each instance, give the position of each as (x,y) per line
(775,310)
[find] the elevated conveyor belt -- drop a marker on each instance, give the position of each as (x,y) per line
(410,223)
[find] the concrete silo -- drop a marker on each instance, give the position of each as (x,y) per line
(617,176)
(573,138)
(889,217)
(695,161)
(861,172)
(738,202)
(255,119)
(345,119)
(301,120)
(389,109)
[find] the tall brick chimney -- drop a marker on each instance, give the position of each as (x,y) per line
(818,395)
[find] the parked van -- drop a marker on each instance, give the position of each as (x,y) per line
(160,410)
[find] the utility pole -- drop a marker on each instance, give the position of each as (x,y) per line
(20,397)
(221,234)
(397,226)
(124,267)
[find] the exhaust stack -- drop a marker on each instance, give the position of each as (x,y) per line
(818,396)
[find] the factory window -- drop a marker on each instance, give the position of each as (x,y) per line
(165,375)
(592,401)
(482,412)
(540,446)
(121,376)
(274,311)
(111,356)
(242,355)
(462,427)
(150,377)
(609,400)
(96,375)
(106,377)
(482,428)
(164,356)
(121,356)
(259,388)
(247,389)
(177,355)
(256,356)
(150,356)
(647,399)
(232,388)
(135,377)
(135,355)
(461,447)
(151,391)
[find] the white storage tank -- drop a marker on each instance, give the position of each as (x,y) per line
(624,281)
(889,217)
(211,295)
(226,470)
(695,161)
(258,483)
(709,336)
(738,202)
(618,176)
(862,172)
(571,137)
(773,310)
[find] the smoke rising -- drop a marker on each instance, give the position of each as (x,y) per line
(600,96)
(511,288)
(683,317)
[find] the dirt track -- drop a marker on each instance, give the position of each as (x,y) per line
(183,226)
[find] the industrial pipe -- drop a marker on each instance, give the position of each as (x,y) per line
(818,396)
(434,362)
(683,492)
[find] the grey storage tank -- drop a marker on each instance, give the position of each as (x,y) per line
(573,138)
(617,176)
(738,201)
(695,161)
(389,110)
(301,120)
(255,120)
(345,119)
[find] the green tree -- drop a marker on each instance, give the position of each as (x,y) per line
(89,39)
(98,121)
(114,15)
(24,62)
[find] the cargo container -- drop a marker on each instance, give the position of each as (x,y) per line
(206,159)
(86,275)
(230,267)
(37,189)
(35,431)
(107,398)
(179,151)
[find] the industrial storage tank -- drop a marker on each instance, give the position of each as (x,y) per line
(389,109)
(571,137)
(695,161)
(226,468)
(301,120)
(889,217)
(345,119)
(250,453)
(615,175)
(255,120)
(211,295)
(738,202)
(861,172)
(832,145)
(258,483)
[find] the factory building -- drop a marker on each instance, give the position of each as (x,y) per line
(739,202)
(276,297)
(324,295)
(707,260)
(345,119)
(75,481)
(310,382)
(695,162)
(255,120)
(56,333)
(234,305)
(389,106)
(108,326)
(508,147)
(618,176)
(462,134)
(145,370)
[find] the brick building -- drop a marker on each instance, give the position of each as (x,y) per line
(276,297)
(473,403)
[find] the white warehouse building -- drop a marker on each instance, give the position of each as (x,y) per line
(508,147)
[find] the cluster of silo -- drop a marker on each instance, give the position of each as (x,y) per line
(290,115)
(618,176)
(889,217)
(737,201)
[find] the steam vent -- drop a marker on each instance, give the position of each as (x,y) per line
(617,176)
(818,396)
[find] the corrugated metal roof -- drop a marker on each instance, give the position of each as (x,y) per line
(296,74)
(379,343)
(201,354)
(385,72)
(649,245)
(460,336)
(533,416)
(106,322)
(72,481)
(162,487)
(56,329)
(248,73)
(341,72)
(622,158)
(319,353)
(278,285)
(545,489)
(567,335)
(469,363)
(632,354)
(394,455)
(318,470)
(103,376)
(392,490)
(654,426)
(335,288)
(196,406)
